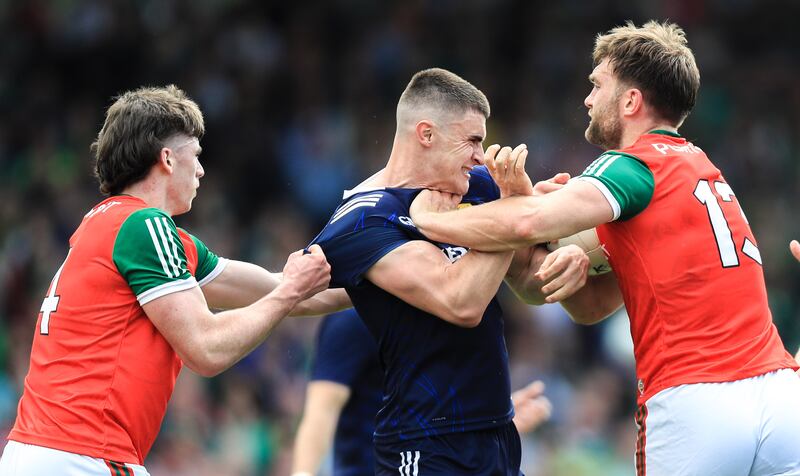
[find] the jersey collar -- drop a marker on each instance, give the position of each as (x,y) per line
(664,133)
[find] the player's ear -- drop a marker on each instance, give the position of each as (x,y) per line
(166,160)
(632,101)
(424,132)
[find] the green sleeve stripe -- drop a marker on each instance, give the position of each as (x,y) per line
(148,252)
(166,288)
(600,164)
(171,248)
(157,245)
(219,268)
(624,177)
(606,193)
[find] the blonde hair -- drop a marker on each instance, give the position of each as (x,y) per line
(441,91)
(656,59)
(136,126)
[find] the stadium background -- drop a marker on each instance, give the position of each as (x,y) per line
(299,102)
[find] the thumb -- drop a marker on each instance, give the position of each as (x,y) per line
(315,250)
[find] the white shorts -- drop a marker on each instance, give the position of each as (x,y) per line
(20,459)
(748,427)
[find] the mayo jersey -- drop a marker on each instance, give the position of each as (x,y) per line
(100,373)
(688,266)
(438,378)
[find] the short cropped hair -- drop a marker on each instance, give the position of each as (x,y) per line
(136,126)
(442,91)
(656,59)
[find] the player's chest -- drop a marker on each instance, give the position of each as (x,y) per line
(452,252)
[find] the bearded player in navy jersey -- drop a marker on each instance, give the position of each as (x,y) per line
(431,306)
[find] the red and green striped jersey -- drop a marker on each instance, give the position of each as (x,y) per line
(688,266)
(100,373)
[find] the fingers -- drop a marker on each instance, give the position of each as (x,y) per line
(490,156)
(564,271)
(794,246)
(560,178)
(532,390)
(316,250)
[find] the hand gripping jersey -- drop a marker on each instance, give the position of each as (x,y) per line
(688,267)
(100,373)
(347,354)
(438,378)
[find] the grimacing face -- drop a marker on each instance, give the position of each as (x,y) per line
(605,129)
(461,149)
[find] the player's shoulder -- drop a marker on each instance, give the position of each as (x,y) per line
(377,203)
(482,187)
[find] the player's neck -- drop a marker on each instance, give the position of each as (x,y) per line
(402,171)
(150,193)
(632,133)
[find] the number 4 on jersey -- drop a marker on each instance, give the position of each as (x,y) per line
(50,303)
(719,224)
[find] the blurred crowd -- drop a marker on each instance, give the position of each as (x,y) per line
(299,104)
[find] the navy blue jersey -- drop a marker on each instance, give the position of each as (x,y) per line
(438,378)
(347,354)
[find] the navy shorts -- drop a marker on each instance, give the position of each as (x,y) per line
(492,452)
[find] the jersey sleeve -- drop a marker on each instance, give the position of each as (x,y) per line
(209,265)
(482,188)
(625,181)
(361,231)
(150,255)
(344,348)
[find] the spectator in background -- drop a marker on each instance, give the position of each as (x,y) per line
(344,395)
(130,303)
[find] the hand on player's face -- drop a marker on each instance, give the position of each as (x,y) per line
(309,272)
(564,270)
(507,168)
(433,201)
(551,185)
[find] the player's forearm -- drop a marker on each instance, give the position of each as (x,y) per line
(326,302)
(239,285)
(229,336)
(520,277)
(506,224)
(472,282)
(596,300)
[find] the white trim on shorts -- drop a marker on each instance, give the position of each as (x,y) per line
(21,459)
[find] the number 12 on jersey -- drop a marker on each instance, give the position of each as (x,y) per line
(720,226)
(50,303)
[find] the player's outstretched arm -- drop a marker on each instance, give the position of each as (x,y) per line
(420,274)
(514,222)
(210,343)
(531,407)
(324,403)
(241,284)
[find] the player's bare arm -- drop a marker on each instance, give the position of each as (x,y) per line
(421,275)
(210,343)
(566,274)
(324,403)
(515,222)
(241,284)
